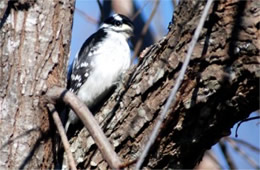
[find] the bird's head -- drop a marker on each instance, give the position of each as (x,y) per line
(119,23)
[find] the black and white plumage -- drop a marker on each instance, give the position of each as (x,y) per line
(102,59)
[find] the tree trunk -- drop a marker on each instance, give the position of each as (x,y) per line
(34,50)
(220,88)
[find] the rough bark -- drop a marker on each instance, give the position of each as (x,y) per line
(220,88)
(34,49)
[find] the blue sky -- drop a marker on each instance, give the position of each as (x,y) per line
(82,29)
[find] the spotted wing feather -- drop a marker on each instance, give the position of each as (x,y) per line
(81,66)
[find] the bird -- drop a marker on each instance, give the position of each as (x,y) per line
(100,63)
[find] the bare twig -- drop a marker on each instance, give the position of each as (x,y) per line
(227,156)
(86,16)
(172,99)
(250,146)
(89,122)
(101,10)
(242,153)
(63,136)
(245,120)
(144,30)
(139,10)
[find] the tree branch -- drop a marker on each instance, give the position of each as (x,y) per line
(144,30)
(242,153)
(55,93)
(219,90)
(172,97)
(63,135)
(245,120)
(227,155)
(87,17)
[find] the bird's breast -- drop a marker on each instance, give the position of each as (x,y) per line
(109,63)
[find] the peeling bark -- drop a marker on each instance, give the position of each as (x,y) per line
(34,50)
(221,87)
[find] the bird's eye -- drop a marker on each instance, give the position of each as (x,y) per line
(118,23)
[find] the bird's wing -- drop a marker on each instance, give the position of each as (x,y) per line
(82,63)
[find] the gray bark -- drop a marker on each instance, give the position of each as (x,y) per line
(34,49)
